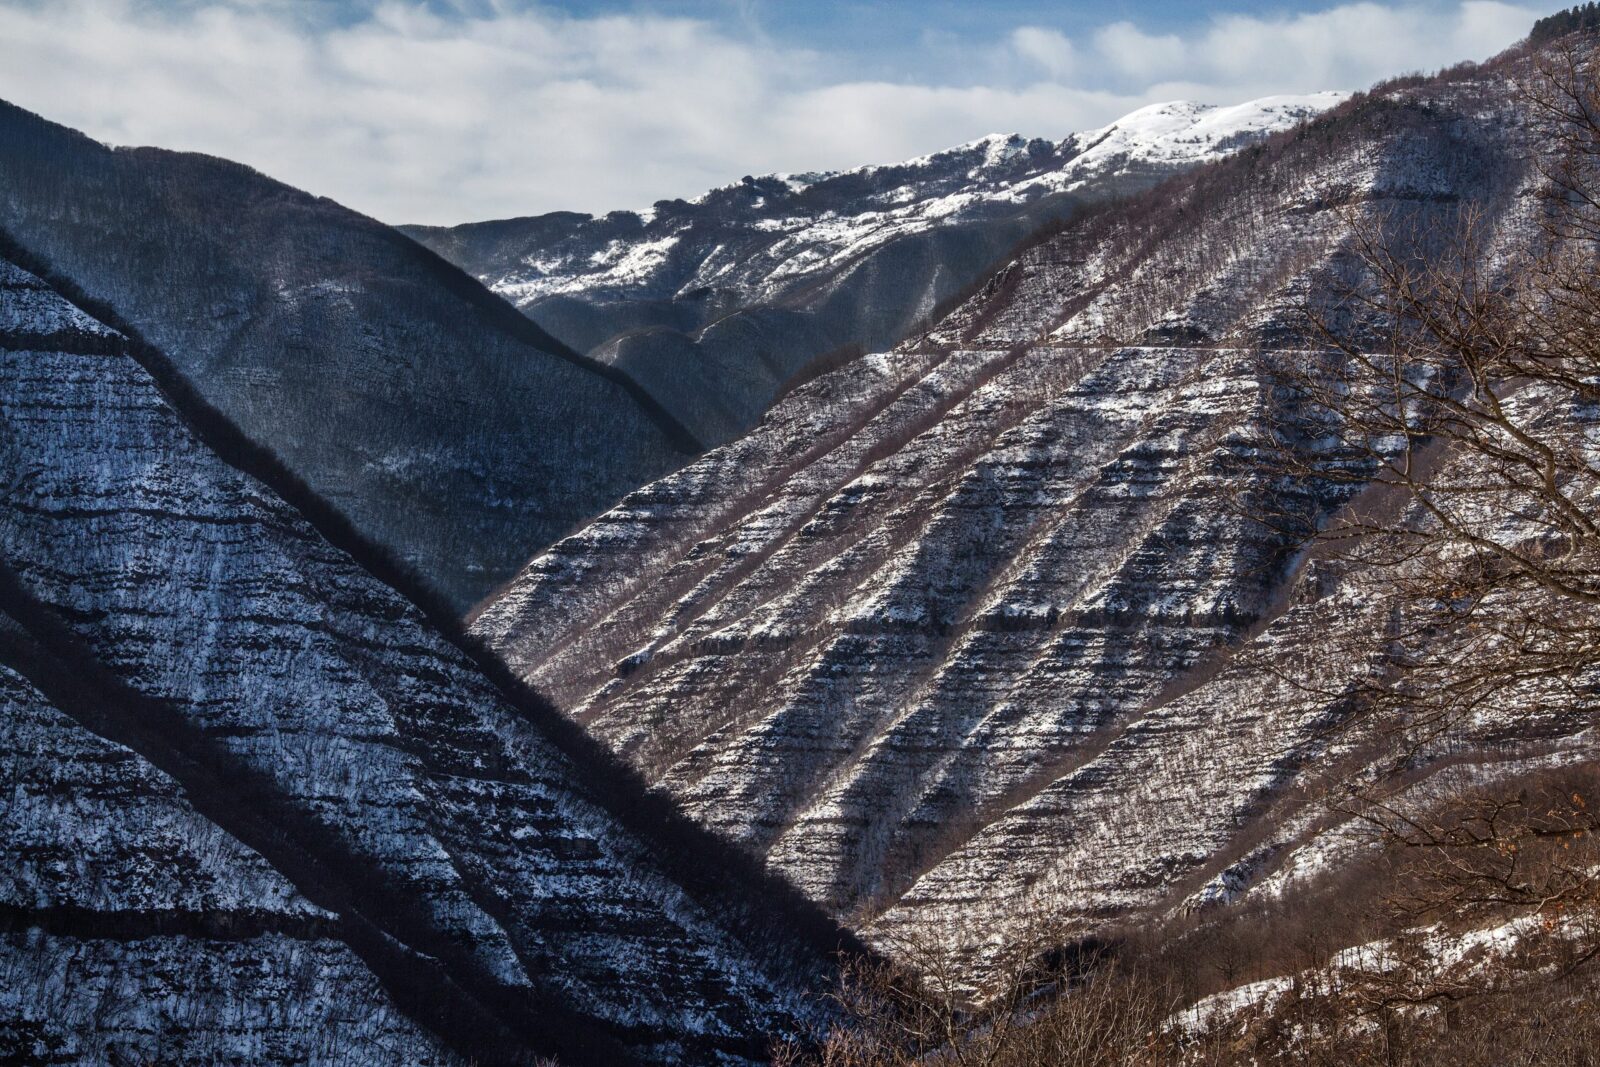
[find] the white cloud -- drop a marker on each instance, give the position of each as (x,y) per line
(1132,52)
(1050,50)
(1357,42)
(512,110)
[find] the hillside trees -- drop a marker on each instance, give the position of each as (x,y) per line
(1579,17)
(1460,390)
(1455,393)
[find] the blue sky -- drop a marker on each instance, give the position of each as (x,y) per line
(890,31)
(451,110)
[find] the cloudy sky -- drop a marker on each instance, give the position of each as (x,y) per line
(452,110)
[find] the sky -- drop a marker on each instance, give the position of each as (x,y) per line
(446,111)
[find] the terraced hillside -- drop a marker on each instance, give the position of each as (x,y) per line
(716,305)
(971,631)
(260,807)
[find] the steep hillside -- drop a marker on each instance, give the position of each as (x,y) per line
(258,807)
(973,631)
(446,426)
(115,887)
(715,305)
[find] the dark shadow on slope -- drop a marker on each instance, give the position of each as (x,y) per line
(444,423)
(762,911)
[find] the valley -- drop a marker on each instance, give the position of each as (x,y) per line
(1118,600)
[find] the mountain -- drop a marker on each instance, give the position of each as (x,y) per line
(260,807)
(972,631)
(716,306)
(446,426)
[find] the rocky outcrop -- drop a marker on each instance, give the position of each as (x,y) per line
(446,426)
(716,306)
(968,632)
(260,807)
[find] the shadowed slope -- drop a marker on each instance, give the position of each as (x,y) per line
(458,843)
(446,426)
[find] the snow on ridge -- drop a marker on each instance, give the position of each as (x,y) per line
(1172,131)
(997,148)
(959,182)
(1159,131)
(1178,131)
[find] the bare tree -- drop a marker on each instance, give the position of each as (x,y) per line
(1456,402)
(1043,1004)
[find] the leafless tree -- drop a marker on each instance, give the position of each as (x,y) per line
(1458,400)
(1455,405)
(1042,1005)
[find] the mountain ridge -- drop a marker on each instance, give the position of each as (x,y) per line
(448,427)
(715,304)
(255,615)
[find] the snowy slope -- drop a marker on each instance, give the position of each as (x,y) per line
(955,637)
(259,808)
(812,234)
(714,304)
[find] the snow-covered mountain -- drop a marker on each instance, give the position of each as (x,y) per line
(446,426)
(716,305)
(948,638)
(962,635)
(258,807)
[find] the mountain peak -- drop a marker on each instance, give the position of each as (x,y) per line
(678,296)
(1183,131)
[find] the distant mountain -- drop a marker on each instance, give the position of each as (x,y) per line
(446,426)
(967,633)
(715,306)
(258,807)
